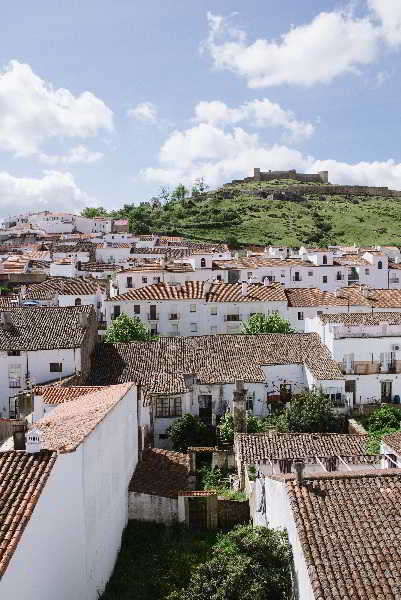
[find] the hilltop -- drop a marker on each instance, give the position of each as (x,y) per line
(280,212)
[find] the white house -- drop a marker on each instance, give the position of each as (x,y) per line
(197,307)
(42,344)
(69,501)
(368,348)
(47,397)
(198,375)
(110,252)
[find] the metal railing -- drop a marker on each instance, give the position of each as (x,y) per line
(153,316)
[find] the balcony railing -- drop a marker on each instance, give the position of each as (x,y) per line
(153,316)
(174,317)
(296,278)
(232,318)
(14,383)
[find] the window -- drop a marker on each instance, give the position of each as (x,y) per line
(367,272)
(137,309)
(78,302)
(324,260)
(156,279)
(168,406)
(310,273)
(300,316)
(250,401)
(56,367)
(324,278)
(338,276)
(129,282)
(192,308)
(194,327)
(13,353)
(203,262)
(14,376)
(144,280)
(213,329)
(218,277)
(213,310)
(297,276)
(99,305)
(285,392)
(232,317)
(249,275)
(116,311)
(380,264)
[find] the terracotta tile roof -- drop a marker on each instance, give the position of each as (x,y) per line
(348,526)
(110,245)
(393,440)
(389,318)
(161,251)
(63,286)
(212,359)
(200,290)
(396,266)
(9,301)
(315,297)
(161,473)
(195,493)
(157,267)
(351,259)
(254,447)
(385,298)
(44,328)
(253,262)
(22,479)
(52,394)
(66,427)
(93,266)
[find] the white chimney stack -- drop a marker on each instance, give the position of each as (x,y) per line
(244,288)
(33,443)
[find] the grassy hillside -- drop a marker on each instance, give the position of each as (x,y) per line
(244,212)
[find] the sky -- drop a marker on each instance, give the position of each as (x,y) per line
(103,102)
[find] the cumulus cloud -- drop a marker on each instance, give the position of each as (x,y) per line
(259,113)
(52,191)
(145,112)
(388,14)
(219,156)
(77,154)
(32,112)
(333,43)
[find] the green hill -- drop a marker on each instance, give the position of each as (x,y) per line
(281,212)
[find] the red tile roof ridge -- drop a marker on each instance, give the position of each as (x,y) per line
(340,475)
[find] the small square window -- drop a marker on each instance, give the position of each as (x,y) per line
(13,353)
(213,310)
(310,273)
(249,274)
(137,309)
(218,277)
(324,278)
(56,367)
(144,280)
(213,329)
(300,316)
(194,327)
(192,308)
(367,272)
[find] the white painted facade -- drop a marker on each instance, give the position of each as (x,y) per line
(109,253)
(16,372)
(70,544)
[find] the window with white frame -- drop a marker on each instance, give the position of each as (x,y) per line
(213,310)
(300,316)
(56,367)
(194,327)
(14,376)
(213,329)
(192,308)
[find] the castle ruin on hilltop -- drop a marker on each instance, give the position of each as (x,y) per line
(258,175)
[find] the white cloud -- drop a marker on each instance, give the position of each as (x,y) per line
(333,43)
(260,113)
(144,111)
(32,112)
(219,156)
(53,191)
(388,13)
(75,155)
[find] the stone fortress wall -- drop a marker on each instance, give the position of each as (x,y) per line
(323,178)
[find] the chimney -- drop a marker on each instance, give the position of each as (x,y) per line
(83,320)
(239,407)
(19,436)
(244,288)
(206,287)
(266,282)
(33,441)
(299,470)
(23,291)
(236,255)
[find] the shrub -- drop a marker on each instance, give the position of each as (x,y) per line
(188,431)
(273,323)
(127,329)
(384,417)
(226,427)
(312,412)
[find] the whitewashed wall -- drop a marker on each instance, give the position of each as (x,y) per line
(144,507)
(69,547)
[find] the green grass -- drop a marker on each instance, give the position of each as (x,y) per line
(155,560)
(242,212)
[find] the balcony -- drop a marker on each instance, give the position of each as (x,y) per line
(14,383)
(153,316)
(296,278)
(232,318)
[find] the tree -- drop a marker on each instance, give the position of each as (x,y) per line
(188,431)
(91,212)
(226,427)
(247,563)
(312,412)
(384,417)
(180,193)
(273,323)
(127,329)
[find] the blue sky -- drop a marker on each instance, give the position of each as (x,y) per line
(102,102)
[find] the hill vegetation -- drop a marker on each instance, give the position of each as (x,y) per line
(247,213)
